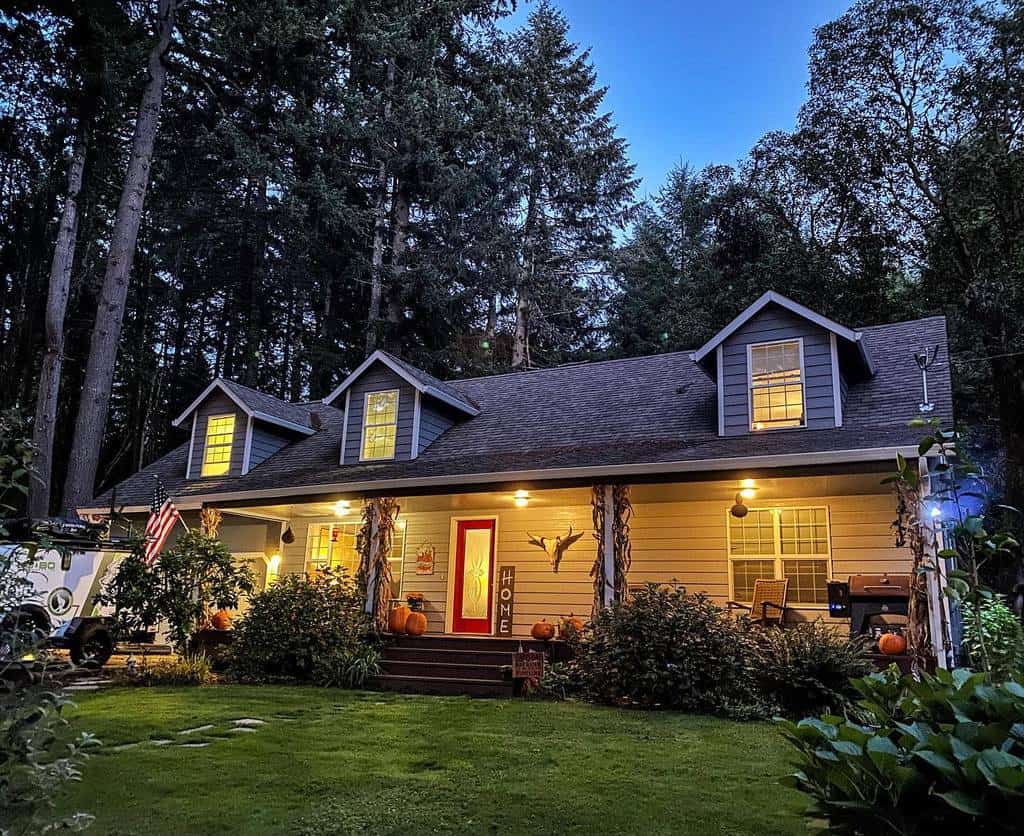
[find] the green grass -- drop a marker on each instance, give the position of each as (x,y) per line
(331,761)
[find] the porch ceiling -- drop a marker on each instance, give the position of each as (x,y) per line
(717,490)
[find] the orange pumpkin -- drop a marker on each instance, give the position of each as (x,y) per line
(397,618)
(221,620)
(571,626)
(543,631)
(416,624)
(892,644)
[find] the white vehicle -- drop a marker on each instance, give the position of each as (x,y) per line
(60,604)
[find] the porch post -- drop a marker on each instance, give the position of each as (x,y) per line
(932,541)
(608,544)
(371,572)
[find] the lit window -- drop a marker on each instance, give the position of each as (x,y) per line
(780,543)
(380,425)
(220,433)
(776,386)
(333,546)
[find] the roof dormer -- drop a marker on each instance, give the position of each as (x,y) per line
(234,428)
(781,366)
(393,411)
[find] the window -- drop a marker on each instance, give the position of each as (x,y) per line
(333,546)
(776,385)
(220,432)
(781,543)
(380,425)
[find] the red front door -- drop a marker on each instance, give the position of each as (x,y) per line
(473,597)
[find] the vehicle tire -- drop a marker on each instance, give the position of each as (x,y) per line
(92,646)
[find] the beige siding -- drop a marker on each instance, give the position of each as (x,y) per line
(684,542)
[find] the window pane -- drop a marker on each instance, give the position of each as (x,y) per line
(745,572)
(220,432)
(380,425)
(752,534)
(803,531)
(777,394)
(807,580)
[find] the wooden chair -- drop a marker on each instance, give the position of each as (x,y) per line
(768,603)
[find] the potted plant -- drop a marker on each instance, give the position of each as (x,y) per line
(415,601)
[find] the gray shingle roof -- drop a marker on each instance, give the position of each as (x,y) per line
(296,413)
(643,410)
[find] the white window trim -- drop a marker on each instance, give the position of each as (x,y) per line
(778,557)
(206,443)
(750,384)
(362,422)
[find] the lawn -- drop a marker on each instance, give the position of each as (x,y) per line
(326,761)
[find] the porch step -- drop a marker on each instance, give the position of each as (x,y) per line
(446,670)
(442,642)
(443,685)
(402,653)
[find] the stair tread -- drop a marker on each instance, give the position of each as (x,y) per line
(449,679)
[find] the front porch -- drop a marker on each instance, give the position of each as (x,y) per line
(459,550)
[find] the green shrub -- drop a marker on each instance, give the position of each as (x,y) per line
(1001,632)
(663,648)
(938,755)
(311,630)
(806,668)
(189,669)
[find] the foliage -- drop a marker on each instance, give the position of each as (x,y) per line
(935,755)
(188,669)
(314,630)
(664,648)
(995,632)
(190,578)
(16,452)
(806,668)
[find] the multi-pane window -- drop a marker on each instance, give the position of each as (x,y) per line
(220,433)
(333,546)
(380,425)
(780,543)
(776,386)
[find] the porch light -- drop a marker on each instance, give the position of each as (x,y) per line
(521,499)
(748,489)
(342,507)
(273,567)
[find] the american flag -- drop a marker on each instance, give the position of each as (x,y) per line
(162,517)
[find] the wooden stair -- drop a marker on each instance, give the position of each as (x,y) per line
(468,665)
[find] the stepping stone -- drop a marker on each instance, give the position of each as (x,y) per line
(124,746)
(196,729)
(161,742)
(196,745)
(242,729)
(249,721)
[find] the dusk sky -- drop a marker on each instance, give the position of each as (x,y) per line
(697,80)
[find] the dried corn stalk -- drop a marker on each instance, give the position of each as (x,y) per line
(374,546)
(622,511)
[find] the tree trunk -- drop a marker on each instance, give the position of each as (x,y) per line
(399,235)
(380,212)
(521,338)
(53,356)
(99,372)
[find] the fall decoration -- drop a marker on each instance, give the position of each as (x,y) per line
(543,631)
(397,618)
(221,620)
(555,549)
(416,624)
(571,626)
(892,644)
(415,601)
(374,545)
(209,520)
(623,511)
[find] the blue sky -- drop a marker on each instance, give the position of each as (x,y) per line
(698,82)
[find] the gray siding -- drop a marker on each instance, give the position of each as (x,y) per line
(376,378)
(435,418)
(218,404)
(265,442)
(774,323)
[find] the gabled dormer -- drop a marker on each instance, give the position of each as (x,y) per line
(781,366)
(393,411)
(234,428)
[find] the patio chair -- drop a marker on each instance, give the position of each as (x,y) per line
(768,603)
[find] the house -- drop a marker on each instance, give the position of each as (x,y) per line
(791,414)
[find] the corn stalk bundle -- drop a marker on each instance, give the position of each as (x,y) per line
(622,512)
(374,546)
(910,532)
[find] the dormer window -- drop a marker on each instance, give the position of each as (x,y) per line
(776,385)
(220,434)
(380,425)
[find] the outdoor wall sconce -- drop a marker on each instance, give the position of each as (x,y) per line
(342,507)
(521,499)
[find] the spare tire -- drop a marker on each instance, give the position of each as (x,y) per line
(92,645)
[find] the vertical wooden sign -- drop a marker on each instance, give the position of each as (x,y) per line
(506,599)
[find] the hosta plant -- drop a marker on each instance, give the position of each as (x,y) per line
(934,755)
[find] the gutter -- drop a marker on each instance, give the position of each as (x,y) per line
(869,454)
